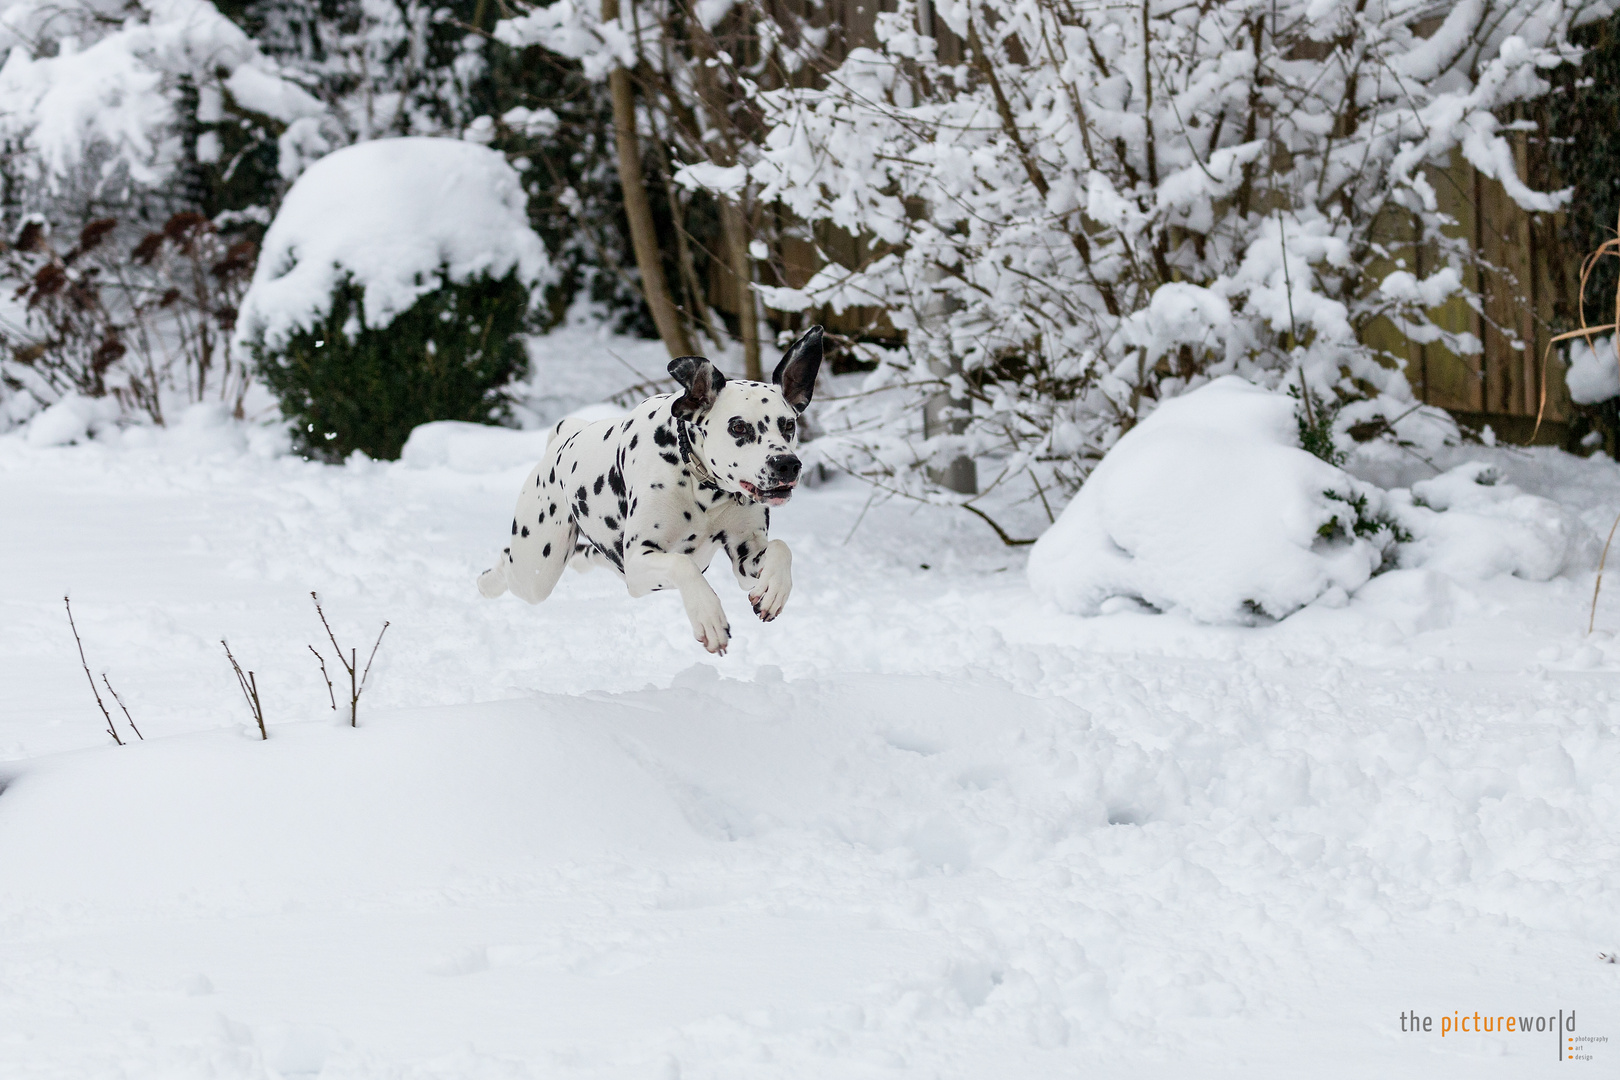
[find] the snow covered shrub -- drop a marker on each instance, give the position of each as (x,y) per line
(1468,524)
(1087,210)
(393,283)
(1210,506)
(94,94)
(347,386)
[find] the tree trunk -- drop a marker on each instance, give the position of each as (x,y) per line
(643,236)
(735,225)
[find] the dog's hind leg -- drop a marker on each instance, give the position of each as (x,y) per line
(542,540)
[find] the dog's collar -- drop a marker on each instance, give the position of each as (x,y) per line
(700,473)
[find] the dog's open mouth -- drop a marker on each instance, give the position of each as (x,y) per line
(771,496)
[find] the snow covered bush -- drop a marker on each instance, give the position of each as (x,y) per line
(1469,525)
(1210,506)
(120,125)
(94,94)
(1087,210)
(393,283)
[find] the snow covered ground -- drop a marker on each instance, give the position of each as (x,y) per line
(923,825)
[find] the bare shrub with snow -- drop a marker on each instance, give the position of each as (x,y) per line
(1101,207)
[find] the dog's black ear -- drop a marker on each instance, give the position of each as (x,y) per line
(702,382)
(796,374)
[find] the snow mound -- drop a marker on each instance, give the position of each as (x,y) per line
(1210,506)
(1593,374)
(390,214)
(1469,525)
(72,419)
(471,448)
(484,448)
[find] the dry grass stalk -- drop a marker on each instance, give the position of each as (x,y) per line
(357,678)
(250,690)
(1608,247)
(112,729)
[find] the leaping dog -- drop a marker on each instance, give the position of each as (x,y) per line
(656,494)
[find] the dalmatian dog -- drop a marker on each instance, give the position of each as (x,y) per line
(655,495)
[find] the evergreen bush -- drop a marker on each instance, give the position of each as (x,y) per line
(346,386)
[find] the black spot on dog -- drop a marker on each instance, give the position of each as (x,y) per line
(651,545)
(687,514)
(686,551)
(694,535)
(635,439)
(719,537)
(656,487)
(742,550)
(514,526)
(663,436)
(552,510)
(671,458)
(574,469)
(616,482)
(553,476)
(545,552)
(597,489)
(612,523)
(608,434)
(525,532)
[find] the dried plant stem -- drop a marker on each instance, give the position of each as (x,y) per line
(1598,585)
(111,728)
(250,690)
(124,709)
(357,678)
(321,660)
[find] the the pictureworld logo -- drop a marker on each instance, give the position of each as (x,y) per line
(1571,1046)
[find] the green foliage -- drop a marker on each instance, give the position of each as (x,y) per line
(1315,419)
(1363,523)
(446,358)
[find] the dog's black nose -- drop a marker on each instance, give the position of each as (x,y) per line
(785,467)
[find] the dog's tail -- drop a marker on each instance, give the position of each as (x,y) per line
(492,582)
(562,429)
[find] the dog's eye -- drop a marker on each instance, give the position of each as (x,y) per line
(786,427)
(739,428)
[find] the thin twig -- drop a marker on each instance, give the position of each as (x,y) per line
(111,729)
(861,516)
(322,661)
(366,674)
(128,718)
(250,690)
(357,680)
(1598,585)
(1005,538)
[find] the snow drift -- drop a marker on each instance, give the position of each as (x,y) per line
(390,214)
(1469,525)
(1209,505)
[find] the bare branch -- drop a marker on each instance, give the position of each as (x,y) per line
(111,729)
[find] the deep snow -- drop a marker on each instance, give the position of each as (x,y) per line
(925,824)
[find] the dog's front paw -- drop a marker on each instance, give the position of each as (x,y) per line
(709,623)
(771,594)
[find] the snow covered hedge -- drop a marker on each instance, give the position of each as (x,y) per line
(1211,507)
(390,291)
